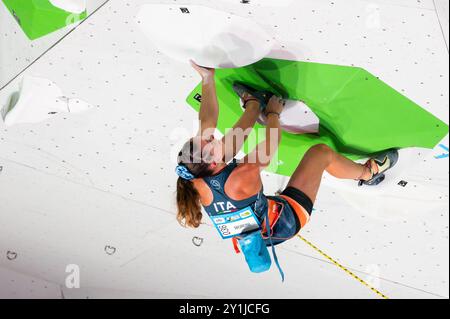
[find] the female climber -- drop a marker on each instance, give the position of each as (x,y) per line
(210,176)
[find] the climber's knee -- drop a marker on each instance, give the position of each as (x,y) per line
(322,152)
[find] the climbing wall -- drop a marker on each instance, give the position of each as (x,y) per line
(15,285)
(96,189)
(17,52)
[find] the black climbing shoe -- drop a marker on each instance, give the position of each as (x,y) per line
(384,162)
(262,97)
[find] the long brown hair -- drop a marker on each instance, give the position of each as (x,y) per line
(188,199)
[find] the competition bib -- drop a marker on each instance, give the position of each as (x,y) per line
(233,224)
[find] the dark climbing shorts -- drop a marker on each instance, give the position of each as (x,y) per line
(295,215)
(299,197)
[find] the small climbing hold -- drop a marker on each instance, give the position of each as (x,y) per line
(403,183)
(110,250)
(197,241)
(11,255)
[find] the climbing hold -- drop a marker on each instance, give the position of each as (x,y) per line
(37,100)
(38,18)
(210,37)
(197,241)
(11,255)
(74,6)
(110,250)
(296,118)
(403,183)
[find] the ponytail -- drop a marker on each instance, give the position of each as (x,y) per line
(188,202)
(190,166)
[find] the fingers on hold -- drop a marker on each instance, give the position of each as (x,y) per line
(281,100)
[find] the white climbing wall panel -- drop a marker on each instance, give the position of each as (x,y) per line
(17,51)
(442,10)
(96,189)
(14,285)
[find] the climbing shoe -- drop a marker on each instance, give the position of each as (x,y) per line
(383,162)
(262,97)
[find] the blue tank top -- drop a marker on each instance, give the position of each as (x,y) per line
(222,203)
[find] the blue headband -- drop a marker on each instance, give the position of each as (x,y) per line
(184,172)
